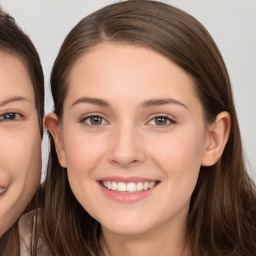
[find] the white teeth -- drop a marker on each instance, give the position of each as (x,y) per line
(131,187)
(2,190)
(109,184)
(121,187)
(114,185)
(151,184)
(139,186)
(145,186)
(128,187)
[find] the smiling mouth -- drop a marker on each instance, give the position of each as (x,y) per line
(130,187)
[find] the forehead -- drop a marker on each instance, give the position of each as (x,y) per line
(127,70)
(14,77)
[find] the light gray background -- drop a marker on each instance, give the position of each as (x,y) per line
(232,23)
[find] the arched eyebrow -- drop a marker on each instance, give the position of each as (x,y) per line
(94,101)
(147,103)
(164,101)
(13,99)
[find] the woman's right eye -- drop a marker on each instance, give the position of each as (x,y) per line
(94,120)
(11,116)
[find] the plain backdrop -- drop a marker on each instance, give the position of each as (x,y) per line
(232,23)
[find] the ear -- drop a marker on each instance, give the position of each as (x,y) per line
(51,122)
(218,136)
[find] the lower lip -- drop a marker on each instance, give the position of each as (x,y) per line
(126,197)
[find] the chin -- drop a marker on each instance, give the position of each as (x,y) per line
(126,227)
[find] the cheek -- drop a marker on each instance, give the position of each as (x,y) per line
(21,154)
(28,166)
(179,157)
(21,161)
(82,154)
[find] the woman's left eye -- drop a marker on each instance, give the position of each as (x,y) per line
(94,120)
(161,121)
(11,116)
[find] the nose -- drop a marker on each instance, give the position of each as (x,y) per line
(126,147)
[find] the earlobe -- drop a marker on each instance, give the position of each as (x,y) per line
(218,137)
(51,122)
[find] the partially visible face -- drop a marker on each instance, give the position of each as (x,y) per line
(133,139)
(20,151)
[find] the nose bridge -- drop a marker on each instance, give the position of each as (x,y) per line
(126,148)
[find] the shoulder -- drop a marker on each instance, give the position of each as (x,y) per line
(25,231)
(30,234)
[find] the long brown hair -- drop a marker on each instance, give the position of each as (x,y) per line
(222,216)
(15,42)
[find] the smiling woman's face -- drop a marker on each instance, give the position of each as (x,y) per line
(20,151)
(132,137)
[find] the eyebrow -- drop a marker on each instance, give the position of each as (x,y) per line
(164,101)
(148,103)
(94,101)
(13,99)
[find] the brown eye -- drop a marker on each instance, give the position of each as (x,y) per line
(9,116)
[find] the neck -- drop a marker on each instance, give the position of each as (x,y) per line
(161,242)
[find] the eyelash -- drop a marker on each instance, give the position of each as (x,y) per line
(166,120)
(13,116)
